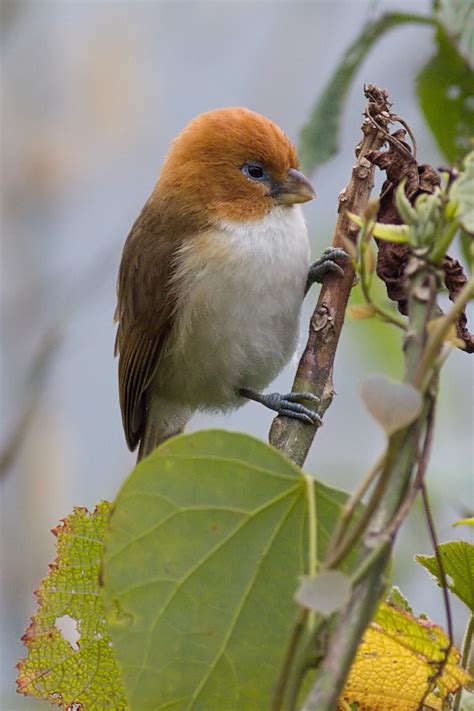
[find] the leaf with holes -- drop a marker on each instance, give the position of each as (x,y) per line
(458,565)
(206,543)
(395,664)
(70,660)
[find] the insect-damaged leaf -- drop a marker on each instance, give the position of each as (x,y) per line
(395,664)
(205,547)
(70,660)
(458,565)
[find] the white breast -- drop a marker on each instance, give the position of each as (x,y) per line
(237,319)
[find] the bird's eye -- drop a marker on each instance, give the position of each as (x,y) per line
(254,171)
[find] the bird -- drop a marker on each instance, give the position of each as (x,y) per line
(212,278)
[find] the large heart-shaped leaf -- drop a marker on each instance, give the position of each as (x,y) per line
(206,543)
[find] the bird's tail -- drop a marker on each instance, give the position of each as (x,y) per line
(164,419)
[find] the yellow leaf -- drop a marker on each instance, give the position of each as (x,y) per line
(396,662)
(360,311)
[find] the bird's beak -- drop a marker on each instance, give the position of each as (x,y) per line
(296,188)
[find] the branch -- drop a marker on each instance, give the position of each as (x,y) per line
(315,369)
(400,459)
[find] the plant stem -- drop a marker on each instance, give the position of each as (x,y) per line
(352,503)
(466,653)
(441,330)
(444,588)
(347,545)
(315,368)
(385,314)
(397,472)
(312,537)
(284,675)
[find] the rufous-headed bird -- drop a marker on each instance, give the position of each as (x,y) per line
(212,278)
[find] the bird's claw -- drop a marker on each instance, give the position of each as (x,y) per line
(288,405)
(326,264)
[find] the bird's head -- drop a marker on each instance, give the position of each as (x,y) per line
(232,164)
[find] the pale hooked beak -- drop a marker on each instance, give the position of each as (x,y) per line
(296,188)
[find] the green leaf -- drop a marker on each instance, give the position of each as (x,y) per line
(70,659)
(462,192)
(319,137)
(445,88)
(458,564)
(457,16)
(205,547)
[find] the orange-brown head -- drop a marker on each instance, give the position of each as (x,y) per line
(231,164)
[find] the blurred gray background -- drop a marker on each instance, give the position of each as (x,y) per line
(92,94)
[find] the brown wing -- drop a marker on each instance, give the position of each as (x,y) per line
(144,313)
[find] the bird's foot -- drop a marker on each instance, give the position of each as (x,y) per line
(287,405)
(326,264)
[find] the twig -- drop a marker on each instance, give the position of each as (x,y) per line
(401,455)
(466,653)
(351,504)
(315,369)
(419,478)
(284,675)
(347,545)
(444,587)
(441,330)
(385,314)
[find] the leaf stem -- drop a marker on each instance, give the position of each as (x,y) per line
(466,653)
(313,537)
(444,587)
(385,314)
(396,476)
(440,332)
(352,503)
(285,671)
(347,545)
